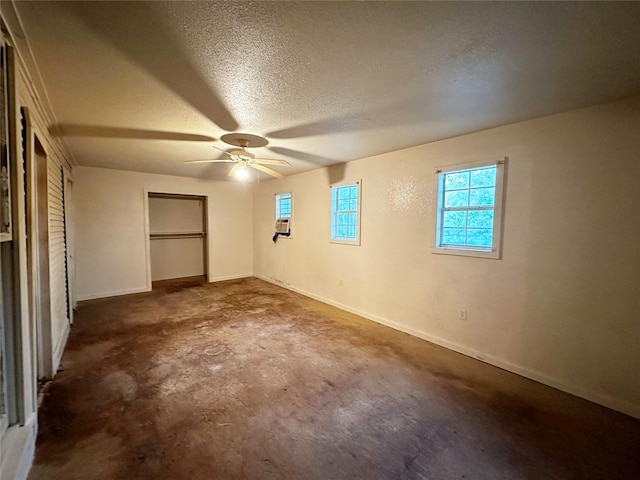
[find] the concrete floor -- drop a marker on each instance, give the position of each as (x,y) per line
(244,379)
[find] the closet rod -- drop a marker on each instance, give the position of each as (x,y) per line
(165,236)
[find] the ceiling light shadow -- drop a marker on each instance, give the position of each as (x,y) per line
(74,130)
(322,127)
(144,38)
(335,173)
(307,157)
(406,113)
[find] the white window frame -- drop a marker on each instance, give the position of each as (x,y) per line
(333,212)
(495,251)
(277,198)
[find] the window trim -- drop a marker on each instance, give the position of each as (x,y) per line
(495,251)
(275,199)
(341,241)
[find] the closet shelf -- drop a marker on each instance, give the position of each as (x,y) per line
(171,235)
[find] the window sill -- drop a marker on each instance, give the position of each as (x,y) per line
(345,242)
(465,252)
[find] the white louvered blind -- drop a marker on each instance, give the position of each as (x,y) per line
(57,251)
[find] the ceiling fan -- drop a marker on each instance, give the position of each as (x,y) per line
(244,160)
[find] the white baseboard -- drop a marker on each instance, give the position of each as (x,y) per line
(230,277)
(18,450)
(596,397)
(115,293)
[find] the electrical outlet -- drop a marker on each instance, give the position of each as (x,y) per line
(462,314)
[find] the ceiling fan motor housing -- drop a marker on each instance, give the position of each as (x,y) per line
(243,154)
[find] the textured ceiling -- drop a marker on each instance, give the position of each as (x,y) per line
(145,86)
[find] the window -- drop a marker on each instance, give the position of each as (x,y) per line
(469,209)
(345,213)
(283,213)
(283,206)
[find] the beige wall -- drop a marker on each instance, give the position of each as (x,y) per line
(560,307)
(111,236)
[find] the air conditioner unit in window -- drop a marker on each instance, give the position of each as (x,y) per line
(282,228)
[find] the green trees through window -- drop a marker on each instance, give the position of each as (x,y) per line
(283,206)
(468,207)
(345,210)
(467,213)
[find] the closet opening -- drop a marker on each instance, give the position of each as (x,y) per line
(177,237)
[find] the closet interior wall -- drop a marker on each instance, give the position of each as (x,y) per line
(177,233)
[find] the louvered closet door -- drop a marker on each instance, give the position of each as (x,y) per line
(57,252)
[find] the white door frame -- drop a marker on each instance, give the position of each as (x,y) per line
(145,202)
(41,261)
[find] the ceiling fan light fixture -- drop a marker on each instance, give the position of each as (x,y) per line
(246,161)
(243,172)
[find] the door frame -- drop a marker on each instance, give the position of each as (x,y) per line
(31,236)
(40,260)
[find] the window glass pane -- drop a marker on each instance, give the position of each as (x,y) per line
(346,231)
(344,213)
(485,177)
(349,219)
(283,205)
(343,193)
(346,225)
(481,196)
(455,181)
(453,236)
(467,210)
(458,198)
(454,219)
(479,219)
(479,237)
(346,218)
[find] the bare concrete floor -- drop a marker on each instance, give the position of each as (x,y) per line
(244,379)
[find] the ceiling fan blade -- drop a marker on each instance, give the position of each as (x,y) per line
(266,170)
(209,161)
(223,151)
(234,170)
(265,161)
